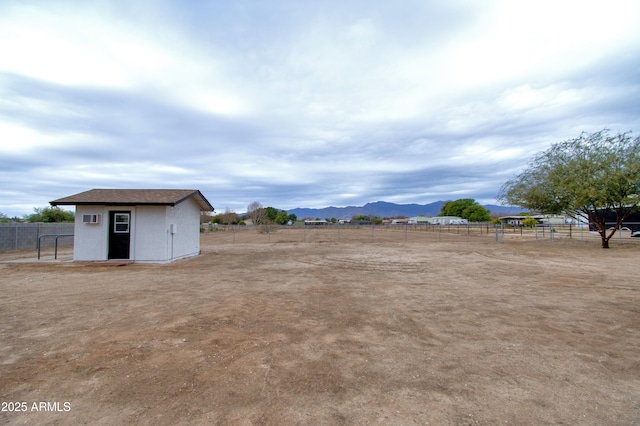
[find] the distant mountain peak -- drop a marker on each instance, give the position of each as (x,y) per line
(386,209)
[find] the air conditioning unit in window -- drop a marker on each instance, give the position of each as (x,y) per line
(90,218)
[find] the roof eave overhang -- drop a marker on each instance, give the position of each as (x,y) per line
(205,205)
(199,198)
(96,203)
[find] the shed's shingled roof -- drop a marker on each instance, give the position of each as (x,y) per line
(125,197)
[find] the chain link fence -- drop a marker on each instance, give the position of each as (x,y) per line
(346,233)
(24,236)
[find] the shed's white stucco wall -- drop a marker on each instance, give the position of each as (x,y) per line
(149,231)
(186,240)
(91,241)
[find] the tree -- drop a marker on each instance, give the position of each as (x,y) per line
(257,213)
(271,212)
(278,217)
(50,214)
(227,218)
(281,218)
(455,208)
(589,178)
(4,218)
(466,208)
(207,217)
(476,213)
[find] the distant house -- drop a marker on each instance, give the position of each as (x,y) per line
(447,220)
(395,221)
(419,220)
(548,220)
(315,222)
(140,225)
(437,220)
(516,220)
(554,219)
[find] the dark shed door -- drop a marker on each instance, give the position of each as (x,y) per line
(119,234)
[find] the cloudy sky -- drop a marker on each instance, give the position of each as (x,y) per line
(303,103)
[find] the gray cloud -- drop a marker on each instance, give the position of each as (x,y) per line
(300,104)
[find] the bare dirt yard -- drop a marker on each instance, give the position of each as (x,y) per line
(350,332)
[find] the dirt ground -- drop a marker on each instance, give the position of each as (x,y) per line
(401,333)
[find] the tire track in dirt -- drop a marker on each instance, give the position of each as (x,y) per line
(369,265)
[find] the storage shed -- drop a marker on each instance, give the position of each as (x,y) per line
(140,225)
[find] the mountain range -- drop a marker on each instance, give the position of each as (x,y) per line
(384,209)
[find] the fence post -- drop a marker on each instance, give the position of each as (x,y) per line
(499,233)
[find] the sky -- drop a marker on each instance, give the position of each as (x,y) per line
(309,104)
